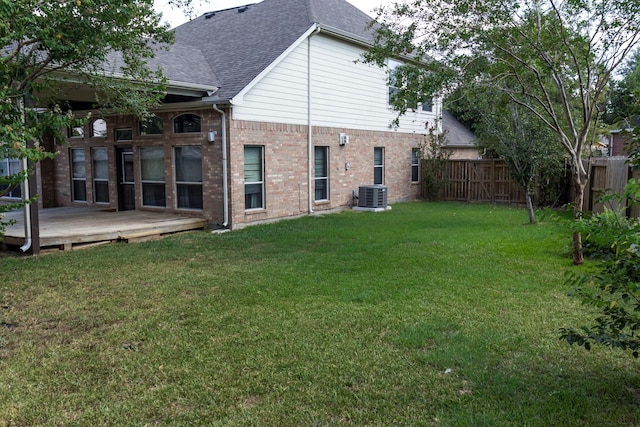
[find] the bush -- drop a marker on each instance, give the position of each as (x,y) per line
(614,287)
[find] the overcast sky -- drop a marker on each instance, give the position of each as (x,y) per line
(176,17)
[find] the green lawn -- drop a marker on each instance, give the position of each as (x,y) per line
(429,314)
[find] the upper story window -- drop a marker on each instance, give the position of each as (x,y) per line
(393,84)
(186,123)
(151,126)
(427,105)
(99,128)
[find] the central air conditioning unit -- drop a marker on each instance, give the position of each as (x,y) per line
(372,196)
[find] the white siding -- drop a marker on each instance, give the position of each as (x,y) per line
(344,93)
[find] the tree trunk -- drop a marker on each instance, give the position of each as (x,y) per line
(578,185)
(532,217)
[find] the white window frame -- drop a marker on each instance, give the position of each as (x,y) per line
(318,176)
(378,167)
(259,182)
(415,165)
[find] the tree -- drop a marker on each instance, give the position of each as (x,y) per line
(625,93)
(434,156)
(552,58)
(523,142)
(511,133)
(47,42)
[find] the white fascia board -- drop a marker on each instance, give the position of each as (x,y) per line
(239,98)
(343,35)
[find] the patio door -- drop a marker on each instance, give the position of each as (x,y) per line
(126,181)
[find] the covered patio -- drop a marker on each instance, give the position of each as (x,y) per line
(69,228)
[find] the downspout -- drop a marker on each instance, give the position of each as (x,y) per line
(27,212)
(309,124)
(225,183)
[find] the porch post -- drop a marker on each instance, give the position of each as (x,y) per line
(33,210)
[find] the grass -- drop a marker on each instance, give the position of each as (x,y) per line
(430,314)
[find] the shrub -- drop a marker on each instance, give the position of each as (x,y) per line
(614,287)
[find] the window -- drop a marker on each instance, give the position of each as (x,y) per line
(189,177)
(10,167)
(78,175)
(253,177)
(415,165)
(321,168)
(100,175)
(151,126)
(393,87)
(186,123)
(99,128)
(76,132)
(427,105)
(124,134)
(378,165)
(152,176)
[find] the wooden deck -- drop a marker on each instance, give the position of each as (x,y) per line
(73,228)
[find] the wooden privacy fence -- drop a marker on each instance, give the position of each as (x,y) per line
(480,181)
(489,181)
(608,175)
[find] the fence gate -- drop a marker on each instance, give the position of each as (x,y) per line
(480,181)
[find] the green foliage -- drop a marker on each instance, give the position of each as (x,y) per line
(436,314)
(512,133)
(435,157)
(624,99)
(46,44)
(613,289)
(554,59)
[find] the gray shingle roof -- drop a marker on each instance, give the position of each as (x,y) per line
(457,134)
(185,63)
(239,43)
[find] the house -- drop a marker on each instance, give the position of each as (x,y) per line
(620,137)
(269,114)
(459,140)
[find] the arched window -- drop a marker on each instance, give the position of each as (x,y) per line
(99,128)
(186,123)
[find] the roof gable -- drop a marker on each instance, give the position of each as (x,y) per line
(240,43)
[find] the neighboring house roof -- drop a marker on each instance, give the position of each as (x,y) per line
(457,134)
(239,43)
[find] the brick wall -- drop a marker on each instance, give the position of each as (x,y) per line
(60,193)
(286,171)
(286,166)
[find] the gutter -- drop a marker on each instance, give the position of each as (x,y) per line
(225,183)
(27,212)
(310,125)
